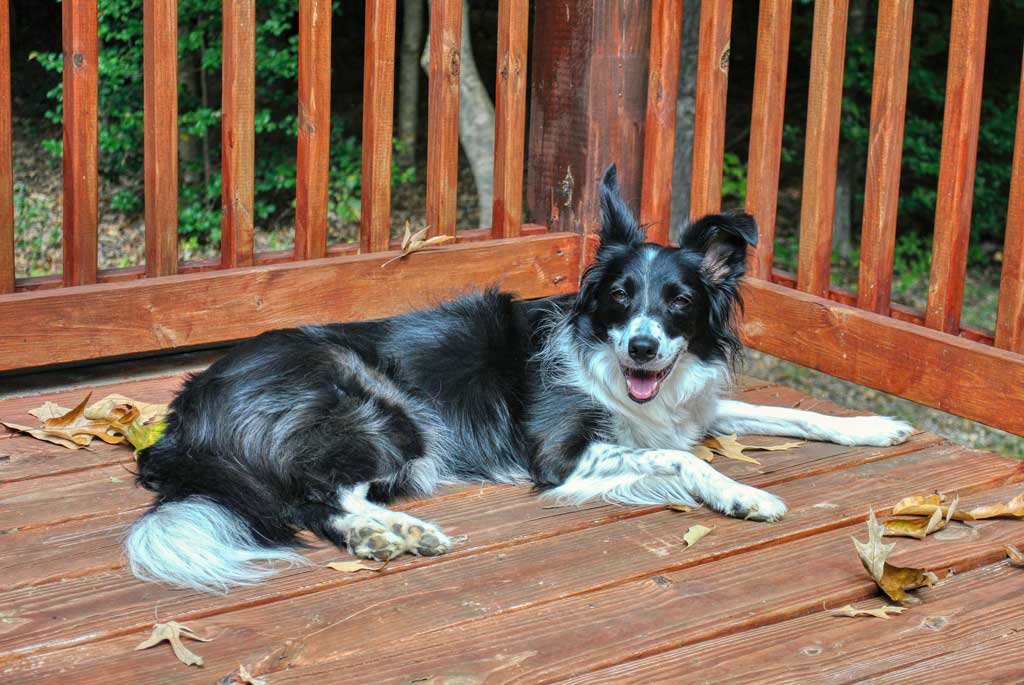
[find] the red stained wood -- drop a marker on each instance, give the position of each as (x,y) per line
(942,371)
(660,127)
(1010,319)
(956,172)
(709,114)
(588,100)
(766,129)
(238,133)
(443,115)
(821,152)
(80,141)
(378,120)
(885,154)
(314,143)
(510,117)
(160,67)
(216,306)
(6,169)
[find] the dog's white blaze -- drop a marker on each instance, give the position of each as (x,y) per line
(197,543)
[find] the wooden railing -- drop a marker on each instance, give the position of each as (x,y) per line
(603,86)
(925,356)
(87,313)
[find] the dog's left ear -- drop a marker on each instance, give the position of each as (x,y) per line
(723,238)
(618,224)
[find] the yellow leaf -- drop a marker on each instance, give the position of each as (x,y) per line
(679,507)
(925,505)
(1012,509)
(879,612)
(172,631)
(353,566)
(703,452)
(1015,555)
(694,534)
(729,446)
(69,417)
(109,420)
(142,437)
(894,581)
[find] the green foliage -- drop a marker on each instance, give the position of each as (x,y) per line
(200,60)
(734,180)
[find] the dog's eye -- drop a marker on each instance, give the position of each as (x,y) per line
(620,296)
(680,302)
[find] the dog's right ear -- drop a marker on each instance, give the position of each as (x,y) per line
(618,224)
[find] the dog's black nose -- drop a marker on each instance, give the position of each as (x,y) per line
(643,348)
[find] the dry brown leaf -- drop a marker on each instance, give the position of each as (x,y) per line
(111,420)
(680,507)
(1015,556)
(730,446)
(56,437)
(703,452)
(172,631)
(893,580)
(925,505)
(353,566)
(879,612)
(241,676)
(414,242)
(694,534)
(920,528)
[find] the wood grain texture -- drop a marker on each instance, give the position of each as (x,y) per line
(196,309)
(950,373)
(238,133)
(660,126)
(378,121)
(160,68)
(510,116)
(588,101)
(766,129)
(1010,317)
(885,155)
(709,112)
(443,115)
(6,162)
(821,150)
(314,144)
(956,172)
(80,141)
(484,583)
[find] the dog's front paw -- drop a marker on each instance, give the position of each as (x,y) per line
(745,502)
(876,431)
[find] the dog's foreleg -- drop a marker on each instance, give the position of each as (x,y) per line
(751,419)
(640,476)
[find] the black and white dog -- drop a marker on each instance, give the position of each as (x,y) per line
(598,395)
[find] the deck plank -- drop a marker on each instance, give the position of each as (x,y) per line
(460,591)
(570,637)
(977,608)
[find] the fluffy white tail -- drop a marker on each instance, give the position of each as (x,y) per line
(199,544)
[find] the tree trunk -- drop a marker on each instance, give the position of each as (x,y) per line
(409,79)
(476,121)
(686,103)
(849,160)
(190,148)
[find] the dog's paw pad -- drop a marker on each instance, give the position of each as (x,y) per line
(371,542)
(757,505)
(431,545)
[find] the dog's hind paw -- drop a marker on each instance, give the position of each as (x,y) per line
(422,539)
(371,540)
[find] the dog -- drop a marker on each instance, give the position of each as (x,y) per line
(596,395)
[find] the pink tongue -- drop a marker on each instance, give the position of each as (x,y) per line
(642,387)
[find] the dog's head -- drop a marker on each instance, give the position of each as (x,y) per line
(651,304)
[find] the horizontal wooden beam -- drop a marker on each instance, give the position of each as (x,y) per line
(944,371)
(114,319)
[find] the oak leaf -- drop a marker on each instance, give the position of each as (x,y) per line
(920,528)
(172,631)
(113,419)
(894,581)
(729,446)
(693,534)
(414,242)
(879,612)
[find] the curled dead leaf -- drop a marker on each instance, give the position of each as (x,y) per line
(679,507)
(878,612)
(353,566)
(172,632)
(694,534)
(110,420)
(414,242)
(894,581)
(920,528)
(703,452)
(925,505)
(241,676)
(1015,556)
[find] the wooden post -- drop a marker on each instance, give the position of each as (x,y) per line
(588,108)
(238,133)
(6,173)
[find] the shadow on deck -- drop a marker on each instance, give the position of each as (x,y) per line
(534,593)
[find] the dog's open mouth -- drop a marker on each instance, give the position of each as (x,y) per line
(643,385)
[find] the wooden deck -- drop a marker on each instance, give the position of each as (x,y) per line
(534,594)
